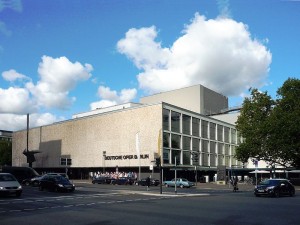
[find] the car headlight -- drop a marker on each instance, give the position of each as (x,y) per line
(270,188)
(20,187)
(60,185)
(2,188)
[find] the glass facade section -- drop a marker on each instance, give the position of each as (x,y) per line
(195,144)
(204,147)
(185,134)
(227,150)
(212,159)
(186,143)
(175,122)
(220,148)
(166,156)
(195,127)
(219,132)
(233,136)
(166,119)
(212,131)
(175,141)
(212,148)
(186,160)
(204,129)
(220,160)
(205,159)
(176,155)
(166,140)
(226,134)
(186,124)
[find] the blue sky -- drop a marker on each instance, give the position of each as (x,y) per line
(62,57)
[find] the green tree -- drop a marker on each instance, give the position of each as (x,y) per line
(271,128)
(285,120)
(5,152)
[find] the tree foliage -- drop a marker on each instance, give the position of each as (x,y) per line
(271,128)
(5,152)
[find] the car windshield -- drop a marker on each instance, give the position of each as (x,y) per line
(7,177)
(269,182)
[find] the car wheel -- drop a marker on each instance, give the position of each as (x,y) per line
(27,183)
(18,194)
(181,186)
(40,188)
(292,193)
(276,193)
(257,195)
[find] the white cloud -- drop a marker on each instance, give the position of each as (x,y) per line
(57,77)
(111,97)
(12,75)
(13,122)
(16,100)
(217,53)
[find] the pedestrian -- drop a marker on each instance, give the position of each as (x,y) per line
(148,183)
(235,184)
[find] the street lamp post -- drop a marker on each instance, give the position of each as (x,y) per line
(104,155)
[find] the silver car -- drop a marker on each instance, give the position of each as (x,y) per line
(9,185)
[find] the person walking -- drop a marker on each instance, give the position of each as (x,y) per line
(235,184)
(148,183)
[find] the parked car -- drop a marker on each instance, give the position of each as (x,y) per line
(102,180)
(9,185)
(180,182)
(274,187)
(56,183)
(122,181)
(36,180)
(143,182)
(22,174)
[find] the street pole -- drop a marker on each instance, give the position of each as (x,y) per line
(175,176)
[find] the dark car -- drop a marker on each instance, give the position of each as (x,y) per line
(36,180)
(274,187)
(102,180)
(123,181)
(56,183)
(143,182)
(22,174)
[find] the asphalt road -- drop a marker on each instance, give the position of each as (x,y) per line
(110,205)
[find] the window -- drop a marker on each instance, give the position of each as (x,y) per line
(212,159)
(195,144)
(220,148)
(226,134)
(175,121)
(186,157)
(166,117)
(204,129)
(186,143)
(212,131)
(186,124)
(204,147)
(212,147)
(227,150)
(166,156)
(176,155)
(195,127)
(166,139)
(233,136)
(220,132)
(175,141)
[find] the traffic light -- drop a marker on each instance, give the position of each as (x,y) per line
(157,161)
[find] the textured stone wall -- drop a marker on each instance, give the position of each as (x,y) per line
(84,139)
